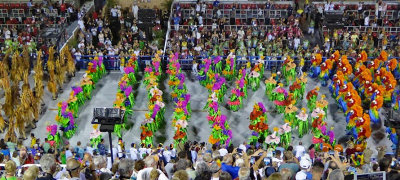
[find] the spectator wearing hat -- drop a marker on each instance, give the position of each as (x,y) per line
(215,170)
(74,168)
(305,164)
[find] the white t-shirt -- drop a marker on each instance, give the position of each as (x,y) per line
(301,175)
(81,45)
(7,34)
(134,153)
(134,29)
(120,153)
(197,48)
(326,7)
(200,18)
(296,42)
(148,150)
(214,26)
(119,13)
(78,56)
(299,150)
(223,152)
(242,147)
(89,150)
(101,38)
(135,9)
(68,154)
(115,152)
(141,152)
(331,6)
(81,25)
(113,12)
(94,31)
(173,153)
(240,34)
(167,155)
(136,52)
(366,21)
(279,161)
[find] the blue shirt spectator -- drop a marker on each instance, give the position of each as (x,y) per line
(102,149)
(232,170)
(5,152)
(215,3)
(177,19)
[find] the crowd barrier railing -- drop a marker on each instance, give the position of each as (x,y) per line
(238,13)
(271,63)
(365,29)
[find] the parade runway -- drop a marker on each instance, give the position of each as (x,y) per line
(198,129)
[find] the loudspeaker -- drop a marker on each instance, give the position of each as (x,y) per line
(147,15)
(334,19)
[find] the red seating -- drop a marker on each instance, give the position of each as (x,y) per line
(244,6)
(15,5)
(336,7)
(372,7)
(2,6)
(253,6)
(24,6)
(209,6)
(237,21)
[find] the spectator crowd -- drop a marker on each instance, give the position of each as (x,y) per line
(189,161)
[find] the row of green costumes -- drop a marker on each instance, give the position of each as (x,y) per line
(279,96)
(258,123)
(239,92)
(155,116)
(68,110)
(229,71)
(181,98)
(256,74)
(270,85)
(53,136)
(125,99)
(289,70)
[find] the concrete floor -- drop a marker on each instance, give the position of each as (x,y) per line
(199,130)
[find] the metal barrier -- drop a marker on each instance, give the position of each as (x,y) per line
(364,29)
(271,63)
(237,13)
